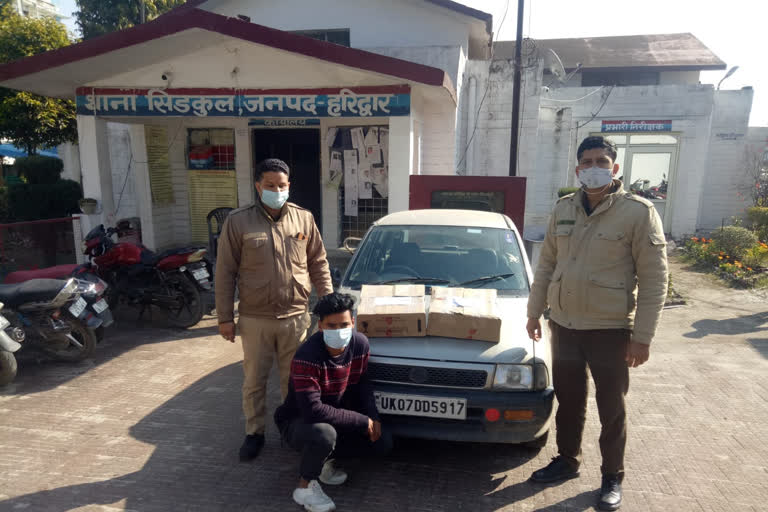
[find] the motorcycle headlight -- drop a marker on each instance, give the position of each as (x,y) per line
(513,376)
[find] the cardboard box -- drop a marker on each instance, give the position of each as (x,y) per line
(392,311)
(464,313)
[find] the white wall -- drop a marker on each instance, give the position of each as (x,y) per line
(123,180)
(726,175)
(70,156)
(372,24)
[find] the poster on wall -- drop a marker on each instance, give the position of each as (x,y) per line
(336,168)
(364,183)
(158,163)
(208,190)
(350,183)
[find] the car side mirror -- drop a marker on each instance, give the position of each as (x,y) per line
(352,243)
(336,277)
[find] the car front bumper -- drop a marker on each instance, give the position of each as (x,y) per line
(476,427)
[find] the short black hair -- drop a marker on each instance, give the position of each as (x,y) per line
(334,303)
(597,142)
(270,165)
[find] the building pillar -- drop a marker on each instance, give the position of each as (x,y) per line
(400,160)
(96,167)
(140,171)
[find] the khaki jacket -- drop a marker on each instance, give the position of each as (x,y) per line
(271,262)
(603,271)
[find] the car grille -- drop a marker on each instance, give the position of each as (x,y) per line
(426,375)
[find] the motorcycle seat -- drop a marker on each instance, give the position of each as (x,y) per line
(57,272)
(36,290)
(151,258)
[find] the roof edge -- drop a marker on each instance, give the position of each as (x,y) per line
(191,17)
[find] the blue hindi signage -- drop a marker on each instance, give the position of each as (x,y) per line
(365,102)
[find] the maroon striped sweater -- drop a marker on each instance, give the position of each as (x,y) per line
(334,390)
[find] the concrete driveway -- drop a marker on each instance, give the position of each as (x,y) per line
(153,423)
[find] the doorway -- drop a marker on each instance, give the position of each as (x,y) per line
(300,149)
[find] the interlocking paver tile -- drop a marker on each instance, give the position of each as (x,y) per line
(153,423)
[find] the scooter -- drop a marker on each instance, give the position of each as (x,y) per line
(9,344)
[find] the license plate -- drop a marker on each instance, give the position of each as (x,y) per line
(100,306)
(200,274)
(417,405)
(78,307)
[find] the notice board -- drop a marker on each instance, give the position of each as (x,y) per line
(160,180)
(209,190)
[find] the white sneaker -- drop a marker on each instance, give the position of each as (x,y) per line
(331,475)
(313,498)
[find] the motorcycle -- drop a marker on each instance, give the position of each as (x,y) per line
(8,345)
(52,314)
(96,305)
(171,281)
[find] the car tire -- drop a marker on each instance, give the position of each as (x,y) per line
(538,443)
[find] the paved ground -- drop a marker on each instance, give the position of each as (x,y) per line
(153,424)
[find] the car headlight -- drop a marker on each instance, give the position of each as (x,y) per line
(541,377)
(513,376)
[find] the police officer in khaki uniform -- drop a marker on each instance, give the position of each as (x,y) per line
(272,251)
(603,273)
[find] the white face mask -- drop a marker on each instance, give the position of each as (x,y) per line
(337,338)
(596,177)
(274,200)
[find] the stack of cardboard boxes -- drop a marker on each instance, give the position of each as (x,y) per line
(399,311)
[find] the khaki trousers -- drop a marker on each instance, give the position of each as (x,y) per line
(603,351)
(262,339)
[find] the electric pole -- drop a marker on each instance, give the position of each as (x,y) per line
(517,79)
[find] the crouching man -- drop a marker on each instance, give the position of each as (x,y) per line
(330,411)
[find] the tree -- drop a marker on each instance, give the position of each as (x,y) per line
(29,120)
(755,187)
(99,17)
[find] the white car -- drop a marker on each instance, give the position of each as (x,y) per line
(457,389)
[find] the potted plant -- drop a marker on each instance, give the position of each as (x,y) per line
(88,205)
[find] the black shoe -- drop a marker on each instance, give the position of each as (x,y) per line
(610,493)
(251,447)
(557,470)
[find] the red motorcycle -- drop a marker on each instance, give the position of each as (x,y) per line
(171,281)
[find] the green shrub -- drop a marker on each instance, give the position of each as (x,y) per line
(49,201)
(734,241)
(758,217)
(567,190)
(39,170)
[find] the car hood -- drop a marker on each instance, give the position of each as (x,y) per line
(514,347)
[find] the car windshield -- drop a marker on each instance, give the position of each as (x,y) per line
(440,256)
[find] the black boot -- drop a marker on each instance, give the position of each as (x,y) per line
(251,447)
(557,470)
(610,493)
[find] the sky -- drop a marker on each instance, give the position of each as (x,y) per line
(733,30)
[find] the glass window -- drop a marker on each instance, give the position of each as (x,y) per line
(450,255)
(336,36)
(653,139)
(617,139)
(211,148)
(650,174)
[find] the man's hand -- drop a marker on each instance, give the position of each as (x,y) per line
(227,331)
(374,430)
(637,354)
(534,329)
